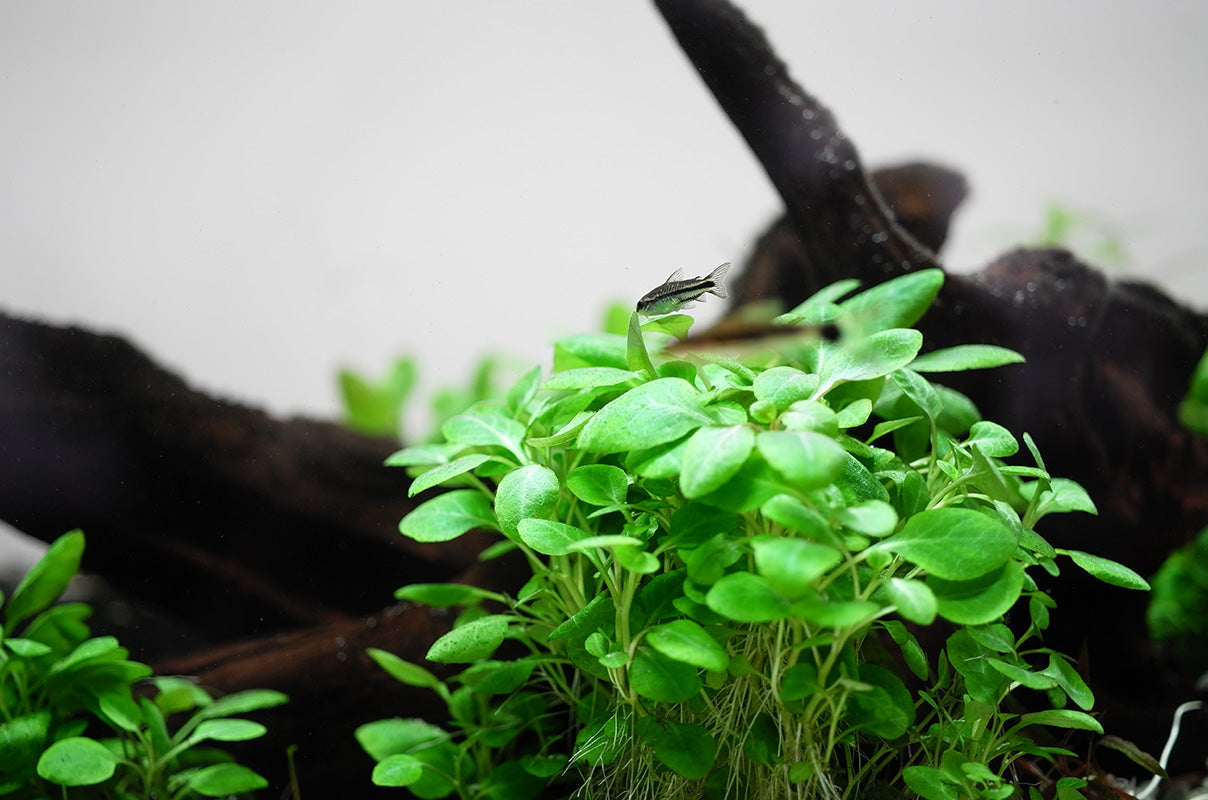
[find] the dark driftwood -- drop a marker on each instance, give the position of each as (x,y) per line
(242,525)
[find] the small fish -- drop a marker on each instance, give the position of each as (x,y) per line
(677,293)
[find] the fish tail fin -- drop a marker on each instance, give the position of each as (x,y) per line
(717,275)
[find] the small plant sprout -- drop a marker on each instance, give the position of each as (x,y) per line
(735,564)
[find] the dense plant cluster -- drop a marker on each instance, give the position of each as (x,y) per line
(70,724)
(733,561)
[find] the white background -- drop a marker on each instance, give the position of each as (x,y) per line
(258,193)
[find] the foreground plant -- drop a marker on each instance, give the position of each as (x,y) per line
(732,564)
(70,725)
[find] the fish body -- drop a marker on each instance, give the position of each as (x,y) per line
(677,292)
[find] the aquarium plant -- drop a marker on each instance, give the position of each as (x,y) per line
(779,573)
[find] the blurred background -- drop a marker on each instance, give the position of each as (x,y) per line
(259,193)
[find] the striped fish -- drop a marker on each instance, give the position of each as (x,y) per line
(677,293)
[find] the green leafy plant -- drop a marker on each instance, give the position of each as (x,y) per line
(733,562)
(70,724)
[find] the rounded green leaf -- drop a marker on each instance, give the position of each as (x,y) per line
(448,516)
(662,679)
(743,597)
(978,600)
(874,518)
(531,491)
(791,566)
(895,303)
(712,456)
(686,641)
(220,780)
(953,543)
(1063,718)
(808,460)
(474,640)
(913,600)
(551,538)
(687,748)
(599,484)
(660,411)
(783,386)
(77,761)
(399,769)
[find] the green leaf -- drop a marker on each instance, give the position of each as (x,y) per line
(918,389)
(589,350)
(686,641)
(978,600)
(952,543)
(221,780)
(783,386)
(589,378)
(443,472)
(930,783)
(636,355)
(425,742)
(676,325)
(743,597)
(77,761)
(228,730)
(887,710)
(913,600)
(399,769)
(46,579)
(874,357)
(486,426)
(22,738)
(443,595)
(687,749)
(992,439)
(874,518)
(912,651)
(1070,681)
(1062,718)
(854,414)
(660,411)
(806,459)
(791,566)
(754,484)
(423,455)
(550,538)
(474,640)
(712,456)
(599,484)
(529,492)
(1062,495)
(449,515)
(1107,570)
(965,356)
(796,516)
(242,703)
(896,303)
(835,613)
(664,680)
(403,671)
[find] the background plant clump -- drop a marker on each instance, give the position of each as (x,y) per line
(733,561)
(70,723)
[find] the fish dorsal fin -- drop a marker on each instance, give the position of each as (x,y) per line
(675,276)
